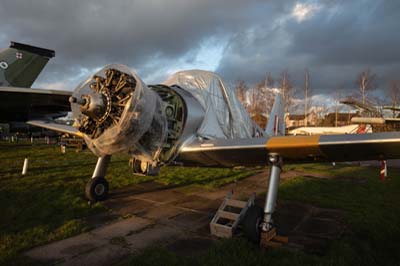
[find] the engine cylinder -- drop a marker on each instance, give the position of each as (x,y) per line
(117,112)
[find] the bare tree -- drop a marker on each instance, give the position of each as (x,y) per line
(254,96)
(260,99)
(338,95)
(322,110)
(394,94)
(365,80)
(306,91)
(269,81)
(287,89)
(269,94)
(266,96)
(241,89)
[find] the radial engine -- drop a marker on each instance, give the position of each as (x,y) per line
(117,112)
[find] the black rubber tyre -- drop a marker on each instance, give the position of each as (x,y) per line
(137,167)
(97,189)
(251,223)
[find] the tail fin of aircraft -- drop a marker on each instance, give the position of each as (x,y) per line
(276,122)
(20,64)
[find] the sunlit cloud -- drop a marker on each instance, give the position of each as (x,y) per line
(206,57)
(62,85)
(304,11)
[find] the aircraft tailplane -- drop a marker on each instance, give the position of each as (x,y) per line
(20,64)
(276,122)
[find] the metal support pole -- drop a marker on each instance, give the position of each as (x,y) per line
(383,170)
(25,166)
(270,199)
(101,166)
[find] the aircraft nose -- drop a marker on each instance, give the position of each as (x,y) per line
(100,101)
(73,99)
(93,105)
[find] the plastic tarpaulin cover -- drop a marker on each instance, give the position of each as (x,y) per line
(224,117)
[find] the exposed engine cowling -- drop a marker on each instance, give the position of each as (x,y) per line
(117,112)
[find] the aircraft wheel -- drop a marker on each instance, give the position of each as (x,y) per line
(136,166)
(97,189)
(251,223)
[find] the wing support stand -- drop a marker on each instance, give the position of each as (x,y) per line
(269,238)
(97,187)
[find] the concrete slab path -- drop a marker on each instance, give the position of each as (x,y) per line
(158,215)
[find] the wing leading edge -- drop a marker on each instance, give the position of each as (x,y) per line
(51,125)
(22,104)
(250,152)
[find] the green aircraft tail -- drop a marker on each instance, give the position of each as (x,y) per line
(20,64)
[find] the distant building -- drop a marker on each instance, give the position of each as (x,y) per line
(343,119)
(297,120)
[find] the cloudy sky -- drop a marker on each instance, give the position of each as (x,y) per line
(238,39)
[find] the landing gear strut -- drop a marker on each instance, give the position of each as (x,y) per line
(270,199)
(97,188)
(258,221)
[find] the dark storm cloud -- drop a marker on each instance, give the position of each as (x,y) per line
(363,32)
(335,41)
(341,41)
(93,33)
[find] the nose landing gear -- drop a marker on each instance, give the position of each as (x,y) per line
(97,188)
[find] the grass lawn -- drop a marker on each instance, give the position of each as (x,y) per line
(49,204)
(372,212)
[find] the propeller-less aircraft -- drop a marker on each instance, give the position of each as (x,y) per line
(193,119)
(373,115)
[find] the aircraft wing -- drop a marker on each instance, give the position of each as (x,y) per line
(22,104)
(51,125)
(247,152)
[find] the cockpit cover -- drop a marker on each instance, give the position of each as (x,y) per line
(225,116)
